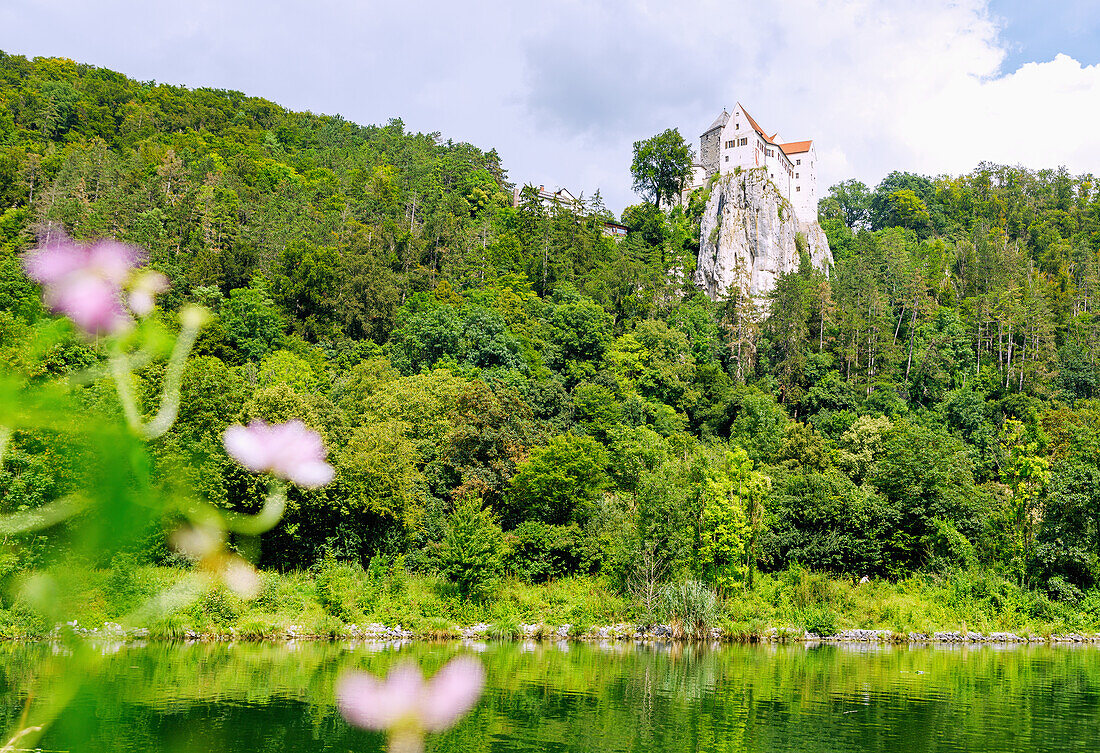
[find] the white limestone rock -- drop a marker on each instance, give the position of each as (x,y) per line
(820,254)
(747,236)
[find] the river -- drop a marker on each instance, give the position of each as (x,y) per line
(265,698)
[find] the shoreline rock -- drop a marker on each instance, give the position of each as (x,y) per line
(622,632)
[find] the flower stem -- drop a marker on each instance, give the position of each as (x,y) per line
(120,373)
(266,519)
(406,741)
(38,518)
(191,319)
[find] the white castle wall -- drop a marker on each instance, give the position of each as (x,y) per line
(804,187)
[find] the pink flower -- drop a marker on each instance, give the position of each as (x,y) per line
(289,450)
(143,291)
(404,700)
(85,282)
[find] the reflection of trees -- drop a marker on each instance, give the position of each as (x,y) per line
(617,698)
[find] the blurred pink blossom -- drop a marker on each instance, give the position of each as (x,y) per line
(84,282)
(143,291)
(404,701)
(289,450)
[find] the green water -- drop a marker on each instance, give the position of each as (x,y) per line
(575,697)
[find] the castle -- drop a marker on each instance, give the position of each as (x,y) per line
(735,140)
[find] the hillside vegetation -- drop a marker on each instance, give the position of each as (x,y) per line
(509,393)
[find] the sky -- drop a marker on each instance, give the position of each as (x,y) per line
(562,90)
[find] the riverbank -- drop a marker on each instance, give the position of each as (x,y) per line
(340,601)
(378,632)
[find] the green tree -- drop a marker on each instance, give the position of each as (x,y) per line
(732,518)
(470,555)
(1026,471)
(559,482)
(849,201)
(661,166)
(926,475)
(906,209)
(252,323)
(284,367)
(377,472)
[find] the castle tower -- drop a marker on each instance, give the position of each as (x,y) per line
(804,191)
(710,144)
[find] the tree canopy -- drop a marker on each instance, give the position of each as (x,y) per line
(661,166)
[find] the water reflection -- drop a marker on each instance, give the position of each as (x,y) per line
(610,696)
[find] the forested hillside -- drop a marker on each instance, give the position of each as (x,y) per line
(508,390)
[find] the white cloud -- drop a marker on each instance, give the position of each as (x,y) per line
(880,85)
(563,89)
(1042,115)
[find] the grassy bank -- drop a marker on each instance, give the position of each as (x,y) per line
(324,600)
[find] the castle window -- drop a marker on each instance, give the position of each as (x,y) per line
(798,162)
(798,188)
(727,158)
(796,175)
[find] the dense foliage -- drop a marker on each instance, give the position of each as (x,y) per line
(507,388)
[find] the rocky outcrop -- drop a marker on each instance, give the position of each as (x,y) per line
(748,236)
(817,244)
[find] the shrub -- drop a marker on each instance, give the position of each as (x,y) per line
(819,621)
(168,628)
(340,588)
(470,556)
(220,605)
(559,482)
(124,588)
(398,581)
(690,607)
(538,552)
(328,626)
(1090,604)
(21,622)
(807,589)
(1059,589)
(268,597)
(440,629)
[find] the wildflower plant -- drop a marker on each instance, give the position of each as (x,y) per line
(114,496)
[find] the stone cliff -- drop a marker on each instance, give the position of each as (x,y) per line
(748,236)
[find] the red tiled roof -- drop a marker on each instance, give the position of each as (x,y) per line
(754,124)
(796,147)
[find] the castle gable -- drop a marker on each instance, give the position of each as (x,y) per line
(736,141)
(755,126)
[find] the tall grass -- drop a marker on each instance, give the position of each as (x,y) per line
(690,607)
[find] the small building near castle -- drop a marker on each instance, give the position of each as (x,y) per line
(735,140)
(549,198)
(563,198)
